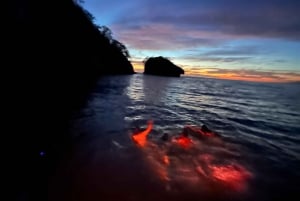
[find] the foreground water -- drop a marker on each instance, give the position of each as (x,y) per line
(256,157)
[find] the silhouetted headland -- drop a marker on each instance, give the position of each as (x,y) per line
(53,58)
(162,66)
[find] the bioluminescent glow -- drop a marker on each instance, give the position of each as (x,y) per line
(233,176)
(140,138)
(197,163)
(183,142)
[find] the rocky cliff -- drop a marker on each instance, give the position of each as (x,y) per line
(162,66)
(53,56)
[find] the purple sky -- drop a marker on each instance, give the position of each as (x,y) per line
(209,37)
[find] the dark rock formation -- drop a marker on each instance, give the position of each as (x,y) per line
(54,55)
(162,66)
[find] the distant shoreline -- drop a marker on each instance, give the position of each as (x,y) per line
(217,78)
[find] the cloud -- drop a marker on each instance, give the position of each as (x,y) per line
(224,54)
(230,51)
(217,59)
(162,37)
(275,19)
(161,24)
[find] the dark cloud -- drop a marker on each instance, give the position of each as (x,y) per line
(168,24)
(267,19)
(225,54)
(218,59)
(230,51)
(280,61)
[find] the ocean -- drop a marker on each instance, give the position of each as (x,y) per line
(255,156)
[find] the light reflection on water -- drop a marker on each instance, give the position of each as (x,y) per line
(258,124)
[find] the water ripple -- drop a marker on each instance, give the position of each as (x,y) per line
(262,120)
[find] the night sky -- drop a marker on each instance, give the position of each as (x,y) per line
(257,40)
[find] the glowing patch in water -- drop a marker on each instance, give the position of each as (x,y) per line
(207,158)
(184,142)
(166,160)
(141,137)
(198,165)
(232,175)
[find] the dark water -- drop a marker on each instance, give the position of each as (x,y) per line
(259,125)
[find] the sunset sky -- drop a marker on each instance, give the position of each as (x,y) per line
(256,40)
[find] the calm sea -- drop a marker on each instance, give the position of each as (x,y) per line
(256,157)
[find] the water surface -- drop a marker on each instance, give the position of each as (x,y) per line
(259,125)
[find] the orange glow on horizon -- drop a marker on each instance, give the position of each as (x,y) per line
(237,74)
(138,66)
(240,75)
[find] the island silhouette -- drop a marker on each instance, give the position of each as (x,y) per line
(161,66)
